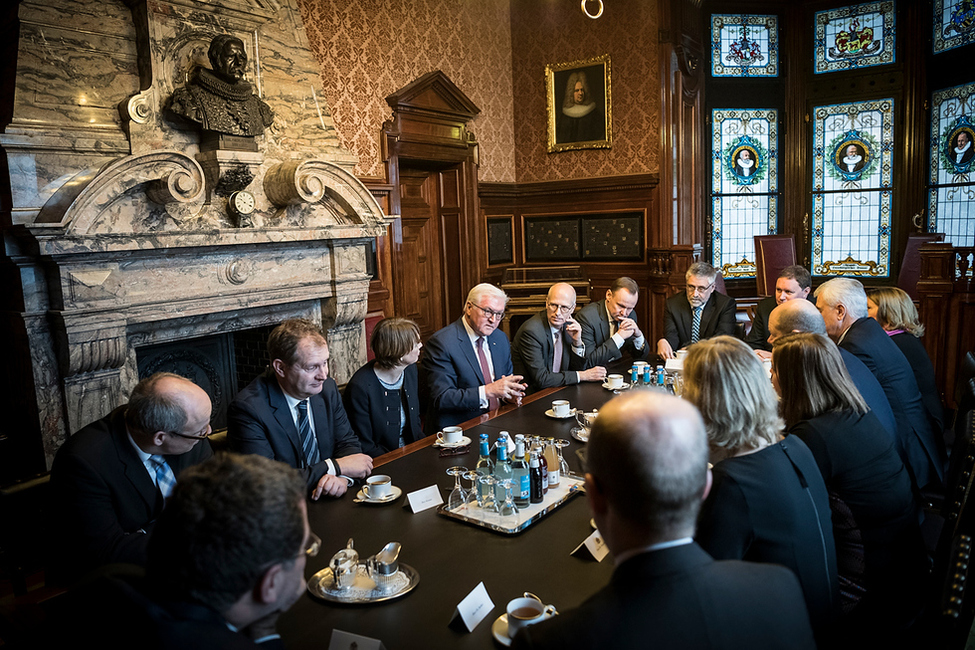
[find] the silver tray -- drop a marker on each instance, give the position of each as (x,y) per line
(363,590)
(571,486)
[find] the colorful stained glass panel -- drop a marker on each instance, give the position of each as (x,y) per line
(954,24)
(854,37)
(744,46)
(951,199)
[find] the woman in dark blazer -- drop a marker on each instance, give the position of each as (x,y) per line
(895,311)
(879,547)
(768,502)
(382,398)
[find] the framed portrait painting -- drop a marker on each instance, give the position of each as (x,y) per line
(580,112)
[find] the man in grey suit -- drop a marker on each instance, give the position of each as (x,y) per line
(647,460)
(608,327)
(549,332)
(698,314)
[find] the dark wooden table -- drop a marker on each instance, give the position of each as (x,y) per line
(452,557)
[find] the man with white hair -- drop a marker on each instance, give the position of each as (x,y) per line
(843,305)
(468,364)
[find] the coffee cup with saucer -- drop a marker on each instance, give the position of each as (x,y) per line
(520,613)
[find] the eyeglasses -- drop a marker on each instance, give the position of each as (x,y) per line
(562,309)
(202,435)
(490,313)
(694,289)
(313,545)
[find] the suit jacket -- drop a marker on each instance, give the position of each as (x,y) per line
(871,391)
(453,374)
(533,352)
(717,318)
(913,350)
(757,336)
(374,412)
(106,500)
(600,347)
(260,422)
(923,452)
(682,598)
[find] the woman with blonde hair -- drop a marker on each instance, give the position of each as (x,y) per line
(895,311)
(382,398)
(767,502)
(880,552)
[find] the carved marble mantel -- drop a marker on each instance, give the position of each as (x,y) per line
(119,233)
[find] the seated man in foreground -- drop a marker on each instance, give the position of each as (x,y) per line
(111,479)
(647,461)
(293,413)
(467,365)
(699,313)
(548,349)
(608,327)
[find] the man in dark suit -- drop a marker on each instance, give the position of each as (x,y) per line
(802,316)
(794,282)
(647,460)
(293,413)
(713,312)
(843,304)
(194,594)
(534,349)
(608,327)
(467,365)
(111,479)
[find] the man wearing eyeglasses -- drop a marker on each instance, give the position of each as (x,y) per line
(548,348)
(111,479)
(697,314)
(609,328)
(468,365)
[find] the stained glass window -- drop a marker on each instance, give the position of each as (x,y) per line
(744,46)
(744,185)
(954,24)
(951,191)
(854,37)
(852,188)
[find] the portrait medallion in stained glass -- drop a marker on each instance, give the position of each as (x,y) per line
(954,24)
(854,37)
(744,46)
(951,191)
(744,186)
(852,188)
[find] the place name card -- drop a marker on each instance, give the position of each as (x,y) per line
(423,499)
(594,546)
(475,606)
(347,641)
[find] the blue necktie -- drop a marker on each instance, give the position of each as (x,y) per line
(696,325)
(308,443)
(165,479)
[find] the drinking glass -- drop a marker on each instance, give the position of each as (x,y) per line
(508,511)
(560,443)
(472,495)
(458,496)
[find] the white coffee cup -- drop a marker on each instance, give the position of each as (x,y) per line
(561,408)
(639,366)
(681,354)
(527,611)
(614,381)
(450,435)
(378,486)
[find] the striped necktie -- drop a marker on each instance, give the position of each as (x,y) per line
(309,446)
(165,479)
(696,325)
(557,354)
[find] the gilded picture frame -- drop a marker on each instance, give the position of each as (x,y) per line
(580,114)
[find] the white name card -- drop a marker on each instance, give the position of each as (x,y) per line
(475,606)
(426,498)
(347,641)
(595,545)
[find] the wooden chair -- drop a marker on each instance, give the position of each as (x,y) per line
(911,264)
(772,254)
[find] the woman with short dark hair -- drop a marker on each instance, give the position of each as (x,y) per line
(382,398)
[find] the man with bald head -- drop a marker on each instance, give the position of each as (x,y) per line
(111,479)
(802,316)
(647,475)
(843,305)
(548,350)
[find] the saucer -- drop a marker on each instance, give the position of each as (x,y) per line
(393,495)
(500,630)
(625,386)
(579,434)
(551,414)
(464,440)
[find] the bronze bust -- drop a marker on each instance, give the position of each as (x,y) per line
(219,99)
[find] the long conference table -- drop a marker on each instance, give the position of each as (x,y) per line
(450,556)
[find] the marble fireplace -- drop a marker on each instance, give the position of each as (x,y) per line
(120,235)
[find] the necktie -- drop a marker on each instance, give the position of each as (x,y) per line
(557,356)
(696,325)
(493,402)
(165,479)
(308,443)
